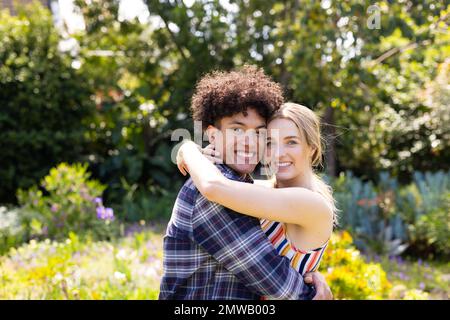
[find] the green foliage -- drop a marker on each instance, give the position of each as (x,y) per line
(382,94)
(68,202)
(129,133)
(43,101)
(324,54)
(426,208)
(145,203)
(430,234)
(390,219)
(369,214)
(11,229)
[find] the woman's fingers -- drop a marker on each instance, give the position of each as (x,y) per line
(209,150)
(212,154)
(180,163)
(213,159)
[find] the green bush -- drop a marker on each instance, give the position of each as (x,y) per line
(11,229)
(69,202)
(43,101)
(430,235)
(151,203)
(425,206)
(390,219)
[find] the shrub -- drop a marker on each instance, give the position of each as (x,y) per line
(69,202)
(388,218)
(368,212)
(151,203)
(43,100)
(11,229)
(425,207)
(430,235)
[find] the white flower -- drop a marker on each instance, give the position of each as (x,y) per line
(57,278)
(147,107)
(121,255)
(151,272)
(120,276)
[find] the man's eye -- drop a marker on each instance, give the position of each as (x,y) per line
(238,130)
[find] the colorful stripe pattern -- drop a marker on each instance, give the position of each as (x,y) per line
(302,261)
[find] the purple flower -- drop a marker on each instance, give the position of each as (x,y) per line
(98,201)
(419,262)
(54,207)
(105,213)
(109,214)
(422,286)
(101,212)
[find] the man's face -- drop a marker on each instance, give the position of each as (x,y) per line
(239,139)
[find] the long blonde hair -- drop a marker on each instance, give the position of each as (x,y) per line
(309,125)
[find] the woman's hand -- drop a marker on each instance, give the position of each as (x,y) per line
(181,164)
(211,154)
(208,152)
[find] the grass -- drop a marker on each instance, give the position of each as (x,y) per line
(131,268)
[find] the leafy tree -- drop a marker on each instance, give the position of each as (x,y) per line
(43,101)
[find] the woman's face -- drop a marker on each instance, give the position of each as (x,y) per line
(288,153)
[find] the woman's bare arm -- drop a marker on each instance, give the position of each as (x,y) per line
(295,205)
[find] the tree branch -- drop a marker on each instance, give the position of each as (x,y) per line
(411,45)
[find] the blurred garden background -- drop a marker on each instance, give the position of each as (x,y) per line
(91,91)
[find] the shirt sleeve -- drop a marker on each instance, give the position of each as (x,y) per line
(238,242)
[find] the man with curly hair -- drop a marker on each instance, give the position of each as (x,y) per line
(212,252)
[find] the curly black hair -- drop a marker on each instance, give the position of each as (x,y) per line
(221,94)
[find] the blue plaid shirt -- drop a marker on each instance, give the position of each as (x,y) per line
(212,252)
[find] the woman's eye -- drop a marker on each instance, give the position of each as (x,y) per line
(291,142)
(238,130)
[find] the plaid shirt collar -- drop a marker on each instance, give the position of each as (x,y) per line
(233,175)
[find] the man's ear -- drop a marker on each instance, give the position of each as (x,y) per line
(211,131)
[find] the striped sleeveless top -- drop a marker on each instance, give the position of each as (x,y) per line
(302,261)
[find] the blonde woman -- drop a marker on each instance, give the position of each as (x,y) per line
(296,209)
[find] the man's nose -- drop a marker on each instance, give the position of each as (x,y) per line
(251,138)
